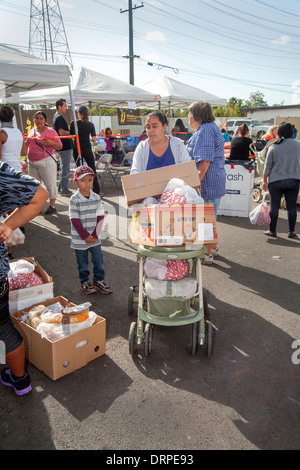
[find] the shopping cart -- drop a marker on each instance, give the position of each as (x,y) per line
(169,310)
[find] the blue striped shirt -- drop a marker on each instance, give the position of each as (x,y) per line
(207,144)
(86,210)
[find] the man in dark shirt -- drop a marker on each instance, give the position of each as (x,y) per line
(61,127)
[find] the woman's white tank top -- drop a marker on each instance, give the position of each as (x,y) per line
(11,149)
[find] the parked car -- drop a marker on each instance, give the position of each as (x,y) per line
(256,128)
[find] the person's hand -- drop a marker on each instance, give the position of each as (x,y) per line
(264,186)
(5,232)
(90,239)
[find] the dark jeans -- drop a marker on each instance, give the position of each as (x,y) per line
(289,189)
(82,257)
(8,333)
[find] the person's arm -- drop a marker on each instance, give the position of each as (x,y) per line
(3,139)
(24,214)
(203,167)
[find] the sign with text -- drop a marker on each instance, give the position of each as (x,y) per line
(130,117)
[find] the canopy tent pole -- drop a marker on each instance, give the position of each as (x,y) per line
(75,123)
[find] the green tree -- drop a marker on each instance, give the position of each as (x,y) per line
(256,100)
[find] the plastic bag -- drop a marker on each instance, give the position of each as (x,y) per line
(260,215)
(184,288)
(56,331)
(178,191)
(21,275)
(16,238)
(166,270)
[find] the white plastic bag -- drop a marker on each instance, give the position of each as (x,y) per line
(260,215)
(165,269)
(178,191)
(185,288)
(16,238)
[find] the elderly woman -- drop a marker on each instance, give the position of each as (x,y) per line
(282,177)
(158,150)
(206,147)
(42,164)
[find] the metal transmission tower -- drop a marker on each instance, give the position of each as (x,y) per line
(47,35)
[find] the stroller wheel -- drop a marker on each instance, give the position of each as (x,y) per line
(148,334)
(194,343)
(132,338)
(209,340)
(256,195)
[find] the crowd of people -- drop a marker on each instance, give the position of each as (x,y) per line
(22,197)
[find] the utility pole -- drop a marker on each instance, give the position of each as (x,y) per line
(131,55)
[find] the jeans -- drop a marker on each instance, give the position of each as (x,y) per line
(65,161)
(82,257)
(9,335)
(288,188)
(216,203)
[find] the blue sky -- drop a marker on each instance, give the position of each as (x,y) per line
(228,48)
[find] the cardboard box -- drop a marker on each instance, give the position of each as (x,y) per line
(153,182)
(237,201)
(22,298)
(174,225)
(59,358)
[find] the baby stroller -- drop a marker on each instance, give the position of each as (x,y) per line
(260,159)
(172,308)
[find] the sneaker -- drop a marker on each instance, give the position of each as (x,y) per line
(209,259)
(66,193)
(215,252)
(88,288)
(20,385)
(102,286)
(50,210)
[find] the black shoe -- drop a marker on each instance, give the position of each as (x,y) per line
(292,235)
(20,385)
(66,193)
(50,210)
(270,234)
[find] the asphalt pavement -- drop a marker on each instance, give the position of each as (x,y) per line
(244,397)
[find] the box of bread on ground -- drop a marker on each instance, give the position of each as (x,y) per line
(59,336)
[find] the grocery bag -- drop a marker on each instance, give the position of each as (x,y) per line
(260,215)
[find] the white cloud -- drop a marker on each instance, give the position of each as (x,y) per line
(155,36)
(283,41)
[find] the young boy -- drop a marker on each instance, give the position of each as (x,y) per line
(86,215)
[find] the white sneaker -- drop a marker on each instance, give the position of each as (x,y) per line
(209,259)
(215,252)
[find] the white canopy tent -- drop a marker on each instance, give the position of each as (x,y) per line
(22,72)
(175,94)
(89,87)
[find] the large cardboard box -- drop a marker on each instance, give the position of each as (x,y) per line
(59,358)
(153,182)
(174,225)
(22,298)
(237,201)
